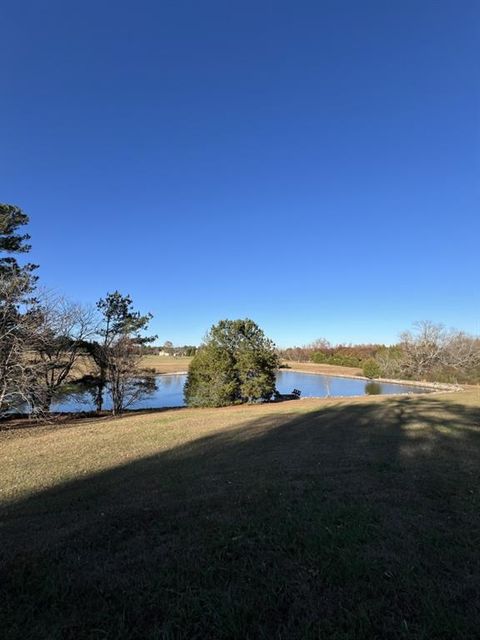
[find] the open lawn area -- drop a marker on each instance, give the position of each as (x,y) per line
(169,364)
(166,364)
(159,364)
(344,519)
(325,369)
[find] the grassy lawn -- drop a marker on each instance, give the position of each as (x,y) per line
(326,369)
(160,364)
(343,519)
(166,364)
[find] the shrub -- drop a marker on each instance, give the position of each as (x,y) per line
(371,369)
(319,357)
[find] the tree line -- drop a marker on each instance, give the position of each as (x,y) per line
(428,351)
(48,342)
(168,348)
(321,351)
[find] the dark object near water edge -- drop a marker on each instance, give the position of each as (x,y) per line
(279,397)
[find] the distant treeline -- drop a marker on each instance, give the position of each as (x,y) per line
(322,352)
(428,352)
(168,349)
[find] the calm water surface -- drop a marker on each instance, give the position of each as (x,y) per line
(169,391)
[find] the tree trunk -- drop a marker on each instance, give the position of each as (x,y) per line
(99,396)
(43,402)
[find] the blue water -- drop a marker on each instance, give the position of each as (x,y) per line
(169,391)
(314,385)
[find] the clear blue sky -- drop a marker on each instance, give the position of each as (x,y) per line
(311,165)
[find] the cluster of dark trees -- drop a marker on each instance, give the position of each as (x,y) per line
(48,342)
(345,355)
(322,351)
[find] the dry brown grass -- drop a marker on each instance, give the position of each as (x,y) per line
(51,454)
(326,369)
(160,364)
(166,364)
(349,519)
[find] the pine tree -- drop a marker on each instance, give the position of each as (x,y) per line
(236,363)
(17,316)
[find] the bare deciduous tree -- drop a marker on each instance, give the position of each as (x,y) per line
(422,348)
(59,340)
(126,381)
(463,352)
(431,351)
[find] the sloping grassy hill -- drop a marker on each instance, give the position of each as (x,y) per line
(310,519)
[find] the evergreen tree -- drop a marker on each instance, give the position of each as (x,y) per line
(236,363)
(11,242)
(17,317)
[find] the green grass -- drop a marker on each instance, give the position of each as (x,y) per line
(336,519)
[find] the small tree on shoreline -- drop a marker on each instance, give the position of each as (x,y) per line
(118,352)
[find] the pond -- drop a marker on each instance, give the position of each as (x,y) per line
(169,391)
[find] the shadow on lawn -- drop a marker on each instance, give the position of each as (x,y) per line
(350,521)
(17,421)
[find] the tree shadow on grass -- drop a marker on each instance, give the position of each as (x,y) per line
(16,421)
(350,521)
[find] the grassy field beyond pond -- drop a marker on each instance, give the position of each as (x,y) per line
(169,364)
(310,519)
(166,364)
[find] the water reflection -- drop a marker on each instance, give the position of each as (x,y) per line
(168,380)
(373,389)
